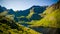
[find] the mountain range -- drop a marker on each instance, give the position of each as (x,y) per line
(36,9)
(35,20)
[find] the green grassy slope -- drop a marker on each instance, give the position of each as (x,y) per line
(51,17)
(8,26)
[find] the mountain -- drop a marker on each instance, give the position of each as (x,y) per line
(51,16)
(11,11)
(37,10)
(50,20)
(8,26)
(35,20)
(31,13)
(2,9)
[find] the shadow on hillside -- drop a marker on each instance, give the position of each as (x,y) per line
(47,30)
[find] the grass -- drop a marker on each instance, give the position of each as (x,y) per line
(50,20)
(5,28)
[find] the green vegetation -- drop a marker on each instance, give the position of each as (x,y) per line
(51,20)
(31,13)
(8,26)
(51,17)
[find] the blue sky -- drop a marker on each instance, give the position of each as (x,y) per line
(25,4)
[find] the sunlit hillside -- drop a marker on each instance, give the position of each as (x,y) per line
(51,17)
(31,13)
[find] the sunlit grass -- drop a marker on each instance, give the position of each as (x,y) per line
(31,13)
(50,20)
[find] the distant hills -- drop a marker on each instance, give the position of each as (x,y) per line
(2,9)
(36,9)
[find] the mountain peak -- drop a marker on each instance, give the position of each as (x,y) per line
(35,6)
(38,6)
